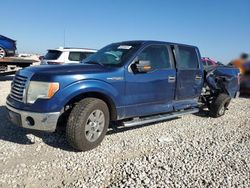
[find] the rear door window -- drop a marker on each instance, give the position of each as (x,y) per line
(75,56)
(188,58)
(52,55)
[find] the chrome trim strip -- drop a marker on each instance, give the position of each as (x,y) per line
(19,82)
(17,89)
(16,84)
(17,96)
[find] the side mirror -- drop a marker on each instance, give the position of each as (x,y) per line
(143,66)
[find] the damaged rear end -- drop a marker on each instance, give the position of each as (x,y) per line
(221,85)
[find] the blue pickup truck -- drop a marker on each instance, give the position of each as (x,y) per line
(125,84)
(7,46)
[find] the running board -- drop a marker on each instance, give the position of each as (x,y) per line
(155,118)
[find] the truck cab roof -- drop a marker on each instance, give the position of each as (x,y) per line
(4,37)
(152,42)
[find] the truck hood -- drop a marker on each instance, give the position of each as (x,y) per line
(68,69)
(71,73)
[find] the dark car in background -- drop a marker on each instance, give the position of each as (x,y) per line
(7,47)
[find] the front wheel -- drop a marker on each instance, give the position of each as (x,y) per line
(219,105)
(2,53)
(87,124)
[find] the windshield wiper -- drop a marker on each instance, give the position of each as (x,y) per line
(94,62)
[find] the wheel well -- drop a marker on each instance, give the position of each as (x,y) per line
(106,99)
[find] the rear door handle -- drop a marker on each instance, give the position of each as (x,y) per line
(198,77)
(171,79)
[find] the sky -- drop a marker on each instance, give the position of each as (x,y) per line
(220,28)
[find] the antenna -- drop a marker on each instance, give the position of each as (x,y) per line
(64,37)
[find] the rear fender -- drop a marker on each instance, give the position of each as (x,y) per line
(223,79)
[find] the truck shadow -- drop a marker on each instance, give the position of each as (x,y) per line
(202,113)
(117,128)
(18,135)
(11,133)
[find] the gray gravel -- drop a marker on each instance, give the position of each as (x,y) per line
(192,151)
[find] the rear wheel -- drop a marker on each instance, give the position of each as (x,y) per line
(87,124)
(2,52)
(219,105)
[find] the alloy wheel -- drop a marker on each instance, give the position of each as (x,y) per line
(94,125)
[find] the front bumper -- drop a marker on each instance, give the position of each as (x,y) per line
(31,120)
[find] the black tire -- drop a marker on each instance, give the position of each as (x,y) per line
(2,52)
(219,105)
(79,117)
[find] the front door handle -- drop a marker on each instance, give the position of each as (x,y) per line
(171,79)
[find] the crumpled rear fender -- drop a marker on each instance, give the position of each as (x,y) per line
(223,79)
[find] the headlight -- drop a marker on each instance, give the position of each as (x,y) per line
(44,90)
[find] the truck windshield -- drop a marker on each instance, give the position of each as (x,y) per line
(112,55)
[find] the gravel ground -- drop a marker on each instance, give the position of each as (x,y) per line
(191,151)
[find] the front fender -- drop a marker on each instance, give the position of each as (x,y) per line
(61,98)
(86,86)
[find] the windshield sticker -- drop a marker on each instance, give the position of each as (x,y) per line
(124,47)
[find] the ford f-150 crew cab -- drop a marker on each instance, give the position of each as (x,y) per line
(127,83)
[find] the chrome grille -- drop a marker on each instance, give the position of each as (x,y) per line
(18,87)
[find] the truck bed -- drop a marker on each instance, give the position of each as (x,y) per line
(10,65)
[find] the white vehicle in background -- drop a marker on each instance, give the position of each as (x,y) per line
(66,55)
